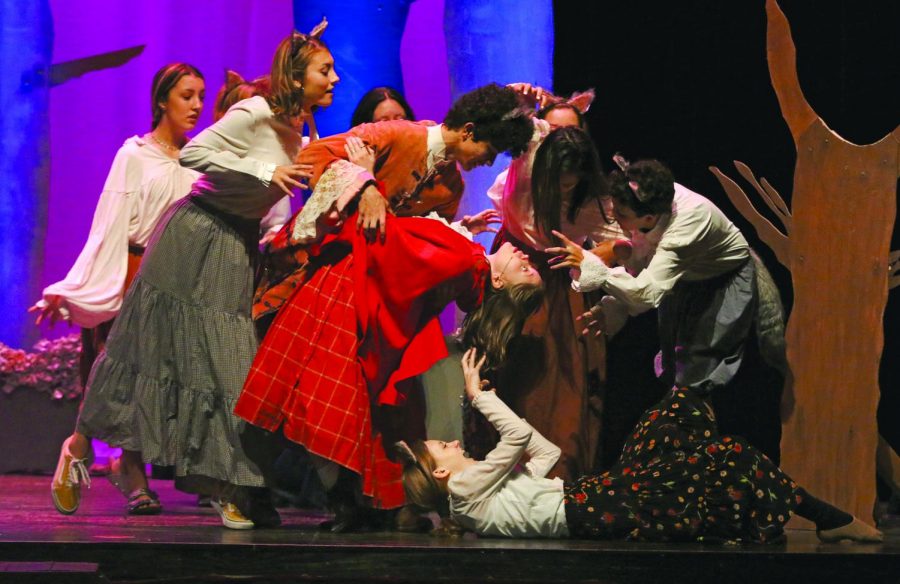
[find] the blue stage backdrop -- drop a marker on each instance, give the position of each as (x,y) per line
(364,37)
(503,41)
(26,45)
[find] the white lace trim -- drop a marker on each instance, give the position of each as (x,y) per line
(594,274)
(339,184)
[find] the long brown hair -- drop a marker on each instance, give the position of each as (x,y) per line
(421,487)
(565,150)
(163,82)
(289,64)
(499,319)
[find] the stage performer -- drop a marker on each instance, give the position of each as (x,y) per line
(381,104)
(183,343)
(335,371)
(677,480)
(145,179)
(557,184)
(705,281)
(417,166)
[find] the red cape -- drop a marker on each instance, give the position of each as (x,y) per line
(335,368)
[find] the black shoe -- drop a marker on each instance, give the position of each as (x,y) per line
(347,519)
(256,505)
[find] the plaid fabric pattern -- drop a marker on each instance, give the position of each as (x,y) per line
(334,370)
(313,345)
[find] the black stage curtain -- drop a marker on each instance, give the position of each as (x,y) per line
(687,82)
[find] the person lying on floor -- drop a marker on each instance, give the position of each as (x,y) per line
(676,480)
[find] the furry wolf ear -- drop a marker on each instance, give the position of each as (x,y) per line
(405,453)
(582,101)
(233,79)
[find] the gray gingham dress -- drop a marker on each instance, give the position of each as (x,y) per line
(180,349)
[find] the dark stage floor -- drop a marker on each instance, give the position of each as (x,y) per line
(189,544)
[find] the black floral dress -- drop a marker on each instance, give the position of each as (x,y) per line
(678,480)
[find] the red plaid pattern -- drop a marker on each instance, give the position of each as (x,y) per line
(350,339)
(313,345)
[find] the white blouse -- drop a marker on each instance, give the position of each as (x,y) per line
(695,242)
(142,183)
(238,156)
(498,496)
(511,195)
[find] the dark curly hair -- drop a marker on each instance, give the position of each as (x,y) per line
(565,150)
(655,184)
(492,109)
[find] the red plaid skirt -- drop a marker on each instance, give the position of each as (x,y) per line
(349,341)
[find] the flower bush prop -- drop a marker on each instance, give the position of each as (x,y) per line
(51,368)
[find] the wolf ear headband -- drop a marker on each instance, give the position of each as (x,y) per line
(298,39)
(632,184)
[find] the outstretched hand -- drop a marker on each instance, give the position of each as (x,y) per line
(570,255)
(472,373)
(594,321)
(288,176)
(481,222)
(51,309)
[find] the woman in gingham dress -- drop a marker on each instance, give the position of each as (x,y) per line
(184,340)
(144,181)
(676,480)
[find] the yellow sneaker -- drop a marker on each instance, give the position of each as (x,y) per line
(231,516)
(70,474)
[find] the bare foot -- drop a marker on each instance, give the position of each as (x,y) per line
(856,531)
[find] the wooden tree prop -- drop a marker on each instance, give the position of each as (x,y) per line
(836,244)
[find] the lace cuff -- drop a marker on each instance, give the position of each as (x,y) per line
(339,184)
(594,274)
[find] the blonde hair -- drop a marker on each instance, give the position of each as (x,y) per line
(289,64)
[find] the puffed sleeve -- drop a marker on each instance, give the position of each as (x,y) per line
(666,268)
(92,291)
(495,192)
(223,146)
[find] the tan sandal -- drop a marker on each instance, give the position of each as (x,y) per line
(143,502)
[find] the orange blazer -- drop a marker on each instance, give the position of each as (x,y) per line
(401,149)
